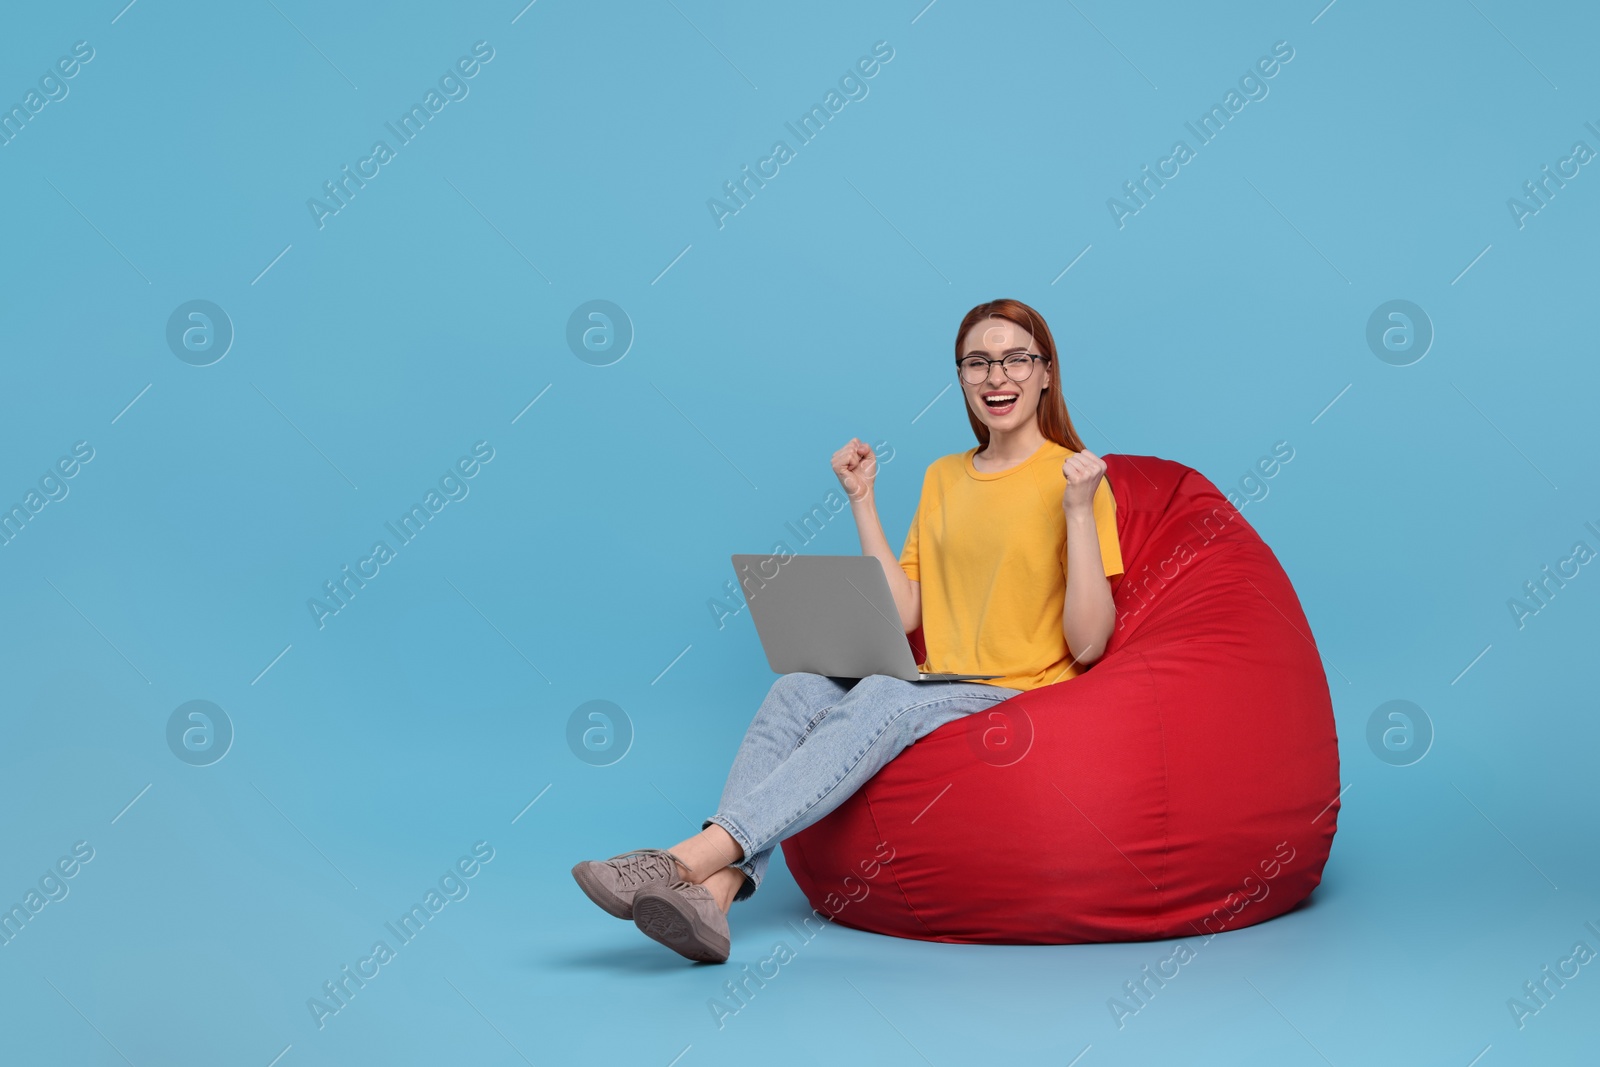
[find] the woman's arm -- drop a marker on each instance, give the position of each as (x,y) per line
(857,468)
(907,594)
(1088,613)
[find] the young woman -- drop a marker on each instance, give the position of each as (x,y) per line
(1008,567)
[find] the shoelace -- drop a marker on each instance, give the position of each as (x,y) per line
(644,865)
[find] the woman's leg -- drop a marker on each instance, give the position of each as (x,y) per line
(839,748)
(793,704)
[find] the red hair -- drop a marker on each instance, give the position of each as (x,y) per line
(1054,422)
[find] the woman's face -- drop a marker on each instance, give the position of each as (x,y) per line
(1016,402)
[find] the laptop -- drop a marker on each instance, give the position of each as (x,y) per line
(831,615)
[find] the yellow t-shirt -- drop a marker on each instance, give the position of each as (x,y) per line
(990,551)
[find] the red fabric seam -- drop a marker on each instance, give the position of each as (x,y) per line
(1166,784)
(909,906)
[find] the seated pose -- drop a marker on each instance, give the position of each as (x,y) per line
(1008,567)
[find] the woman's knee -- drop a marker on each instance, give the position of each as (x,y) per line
(805,687)
(882,681)
(873,700)
(795,698)
(887,702)
(794,680)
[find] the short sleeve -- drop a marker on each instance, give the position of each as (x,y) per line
(1105,525)
(909,561)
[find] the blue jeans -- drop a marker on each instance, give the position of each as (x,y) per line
(815,740)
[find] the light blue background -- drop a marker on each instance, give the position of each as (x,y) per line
(1227,315)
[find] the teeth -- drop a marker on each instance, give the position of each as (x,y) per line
(992,399)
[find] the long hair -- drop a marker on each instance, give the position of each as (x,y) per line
(1054,422)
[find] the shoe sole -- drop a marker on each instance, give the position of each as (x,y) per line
(605,898)
(674,923)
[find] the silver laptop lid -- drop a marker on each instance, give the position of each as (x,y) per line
(831,615)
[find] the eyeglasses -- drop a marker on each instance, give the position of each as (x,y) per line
(1018,366)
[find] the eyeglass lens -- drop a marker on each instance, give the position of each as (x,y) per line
(1017,368)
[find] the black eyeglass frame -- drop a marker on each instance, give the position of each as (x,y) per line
(961,370)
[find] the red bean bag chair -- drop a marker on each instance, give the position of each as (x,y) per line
(1185,784)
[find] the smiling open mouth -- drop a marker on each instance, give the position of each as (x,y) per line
(1001,403)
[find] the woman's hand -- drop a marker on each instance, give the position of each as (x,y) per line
(1083,472)
(1088,611)
(857,468)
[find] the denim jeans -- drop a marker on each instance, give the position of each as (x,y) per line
(815,740)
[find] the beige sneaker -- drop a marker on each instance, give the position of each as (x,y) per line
(686,918)
(614,883)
